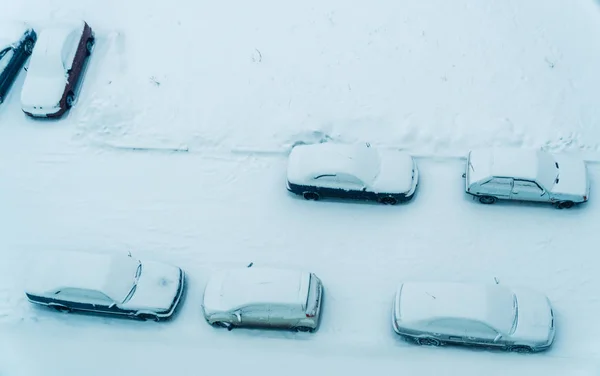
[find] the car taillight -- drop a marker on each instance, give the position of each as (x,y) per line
(310,315)
(584,198)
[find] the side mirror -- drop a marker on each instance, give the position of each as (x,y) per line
(112,305)
(498,337)
(238,316)
(464,175)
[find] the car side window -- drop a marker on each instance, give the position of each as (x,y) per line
(498,184)
(350,181)
(5,56)
(479,330)
(327,180)
(527,186)
(447,326)
(82,295)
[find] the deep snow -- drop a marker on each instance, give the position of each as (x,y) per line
(218,79)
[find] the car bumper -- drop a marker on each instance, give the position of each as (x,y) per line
(34,111)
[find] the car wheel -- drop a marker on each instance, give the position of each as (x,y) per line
(565,204)
(520,349)
(488,200)
(304,329)
(147,317)
(89,46)
(28,47)
(70,99)
(314,196)
(388,200)
(428,342)
(60,308)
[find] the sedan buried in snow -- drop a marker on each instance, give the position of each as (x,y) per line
(261,297)
(355,171)
(526,175)
(56,68)
(16,45)
(106,284)
(490,316)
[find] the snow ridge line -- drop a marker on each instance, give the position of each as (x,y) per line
(589,157)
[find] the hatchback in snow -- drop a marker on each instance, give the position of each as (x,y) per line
(263,297)
(526,175)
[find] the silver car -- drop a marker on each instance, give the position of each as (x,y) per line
(434,314)
(262,297)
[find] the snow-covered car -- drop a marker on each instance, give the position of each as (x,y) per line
(263,297)
(56,67)
(351,171)
(486,315)
(16,45)
(118,285)
(526,175)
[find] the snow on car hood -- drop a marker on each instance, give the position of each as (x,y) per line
(395,174)
(573,177)
(534,323)
(43,91)
(156,288)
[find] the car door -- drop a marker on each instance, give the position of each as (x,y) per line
(327,185)
(81,300)
(479,333)
(526,190)
(499,187)
(352,187)
(7,70)
(283,316)
(72,58)
(447,330)
(255,315)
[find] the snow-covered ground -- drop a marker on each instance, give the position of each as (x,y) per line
(232,85)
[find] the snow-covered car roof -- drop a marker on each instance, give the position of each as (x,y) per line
(527,164)
(232,289)
(492,304)
(113,275)
(309,161)
(47,55)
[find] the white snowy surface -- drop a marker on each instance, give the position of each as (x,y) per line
(435,78)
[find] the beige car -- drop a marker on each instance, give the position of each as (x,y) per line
(262,297)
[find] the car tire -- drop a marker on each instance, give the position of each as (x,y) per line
(89,46)
(388,200)
(427,341)
(61,308)
(487,200)
(314,196)
(28,46)
(520,349)
(565,204)
(70,99)
(304,329)
(147,317)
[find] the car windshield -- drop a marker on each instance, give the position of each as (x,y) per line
(122,276)
(138,273)
(548,170)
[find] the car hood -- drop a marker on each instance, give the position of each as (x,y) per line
(157,287)
(535,323)
(573,177)
(395,174)
(43,91)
